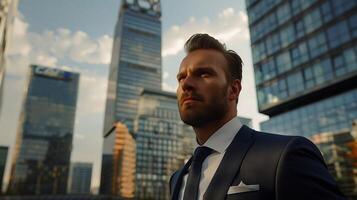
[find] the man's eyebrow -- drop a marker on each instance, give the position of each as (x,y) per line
(179,74)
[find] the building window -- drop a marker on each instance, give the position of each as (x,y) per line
(283,62)
(295,83)
(352,21)
(287,35)
(273,43)
(299,29)
(297,6)
(259,52)
(323,71)
(283,13)
(339,65)
(312,20)
(268,69)
(340,7)
(350,58)
(309,77)
(317,45)
(338,34)
(299,54)
(326,11)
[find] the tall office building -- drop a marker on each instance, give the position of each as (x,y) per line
(163,143)
(44,139)
(142,163)
(8,9)
(305,63)
(340,152)
(3,157)
(136,60)
(135,64)
(80,176)
(118,175)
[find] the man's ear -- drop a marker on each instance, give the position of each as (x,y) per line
(235,88)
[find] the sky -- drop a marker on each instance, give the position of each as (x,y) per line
(77,35)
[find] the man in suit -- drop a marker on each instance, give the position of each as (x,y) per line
(233,161)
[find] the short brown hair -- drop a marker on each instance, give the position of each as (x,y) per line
(205,41)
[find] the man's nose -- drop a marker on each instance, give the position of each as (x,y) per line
(188,83)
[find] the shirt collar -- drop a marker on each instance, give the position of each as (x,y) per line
(223,137)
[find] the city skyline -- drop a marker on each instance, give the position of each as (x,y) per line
(36,42)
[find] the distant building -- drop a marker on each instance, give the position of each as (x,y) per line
(80,176)
(163,143)
(44,139)
(141,164)
(136,60)
(135,65)
(305,64)
(3,158)
(120,179)
(8,9)
(61,197)
(340,152)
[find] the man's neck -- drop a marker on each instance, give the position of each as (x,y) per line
(203,133)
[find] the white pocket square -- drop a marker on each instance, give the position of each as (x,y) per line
(242,187)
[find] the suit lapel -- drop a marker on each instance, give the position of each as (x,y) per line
(177,182)
(230,165)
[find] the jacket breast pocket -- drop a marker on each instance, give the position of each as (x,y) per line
(254,195)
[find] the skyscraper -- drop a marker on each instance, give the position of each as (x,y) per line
(340,152)
(136,60)
(80,176)
(305,63)
(118,169)
(135,64)
(163,143)
(44,139)
(3,158)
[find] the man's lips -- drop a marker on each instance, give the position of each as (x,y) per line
(189,100)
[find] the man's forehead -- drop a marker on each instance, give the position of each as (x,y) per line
(202,57)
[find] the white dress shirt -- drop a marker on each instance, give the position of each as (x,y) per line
(219,142)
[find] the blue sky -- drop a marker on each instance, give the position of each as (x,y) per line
(77,35)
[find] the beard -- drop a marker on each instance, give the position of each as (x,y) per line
(206,111)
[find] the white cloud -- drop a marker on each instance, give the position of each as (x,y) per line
(166,75)
(229,25)
(48,47)
(168,87)
(19,44)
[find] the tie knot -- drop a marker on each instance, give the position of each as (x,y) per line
(201,153)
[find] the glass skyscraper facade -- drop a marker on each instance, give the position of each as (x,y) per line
(136,60)
(163,143)
(340,152)
(305,64)
(135,64)
(118,169)
(44,139)
(80,177)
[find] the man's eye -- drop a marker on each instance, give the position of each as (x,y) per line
(205,74)
(180,78)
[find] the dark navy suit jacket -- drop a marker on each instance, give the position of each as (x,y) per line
(284,167)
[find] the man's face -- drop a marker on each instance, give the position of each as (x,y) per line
(203,87)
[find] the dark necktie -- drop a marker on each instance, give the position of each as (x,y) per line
(194,174)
